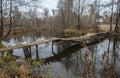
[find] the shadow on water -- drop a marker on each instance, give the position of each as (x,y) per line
(97,60)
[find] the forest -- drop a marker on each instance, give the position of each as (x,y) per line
(59,38)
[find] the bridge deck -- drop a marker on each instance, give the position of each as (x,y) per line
(89,36)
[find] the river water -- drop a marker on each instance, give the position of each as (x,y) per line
(68,60)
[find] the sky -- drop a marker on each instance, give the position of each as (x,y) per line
(50,4)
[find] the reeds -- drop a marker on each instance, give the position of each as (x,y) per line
(108,70)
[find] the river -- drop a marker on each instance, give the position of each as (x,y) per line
(70,60)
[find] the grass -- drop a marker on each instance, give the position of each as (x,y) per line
(3,74)
(109,70)
(106,27)
(19,30)
(71,32)
(24,70)
(9,68)
(37,63)
(53,30)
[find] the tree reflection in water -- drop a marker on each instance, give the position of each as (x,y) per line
(95,61)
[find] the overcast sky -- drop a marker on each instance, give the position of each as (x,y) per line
(50,4)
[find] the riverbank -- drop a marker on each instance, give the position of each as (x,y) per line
(69,32)
(52,29)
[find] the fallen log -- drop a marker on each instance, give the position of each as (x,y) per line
(89,36)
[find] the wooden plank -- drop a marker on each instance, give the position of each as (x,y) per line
(27,45)
(88,36)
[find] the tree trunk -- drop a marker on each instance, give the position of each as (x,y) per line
(117,21)
(118,17)
(1,19)
(111,18)
(10,19)
(78,26)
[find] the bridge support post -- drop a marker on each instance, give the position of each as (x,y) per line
(26,52)
(30,51)
(52,47)
(58,47)
(37,54)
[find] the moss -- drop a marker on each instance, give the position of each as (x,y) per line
(37,63)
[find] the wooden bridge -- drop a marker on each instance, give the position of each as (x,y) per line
(90,37)
(65,52)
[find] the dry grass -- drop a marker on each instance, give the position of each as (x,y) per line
(9,68)
(44,28)
(108,70)
(24,70)
(89,71)
(72,32)
(106,27)
(51,29)
(19,30)
(3,74)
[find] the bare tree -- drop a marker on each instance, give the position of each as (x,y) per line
(98,15)
(65,11)
(118,16)
(10,15)
(111,19)
(68,6)
(80,9)
(1,19)
(93,13)
(61,11)
(79,14)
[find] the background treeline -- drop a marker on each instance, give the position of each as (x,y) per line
(77,14)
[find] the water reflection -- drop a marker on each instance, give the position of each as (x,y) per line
(98,60)
(93,61)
